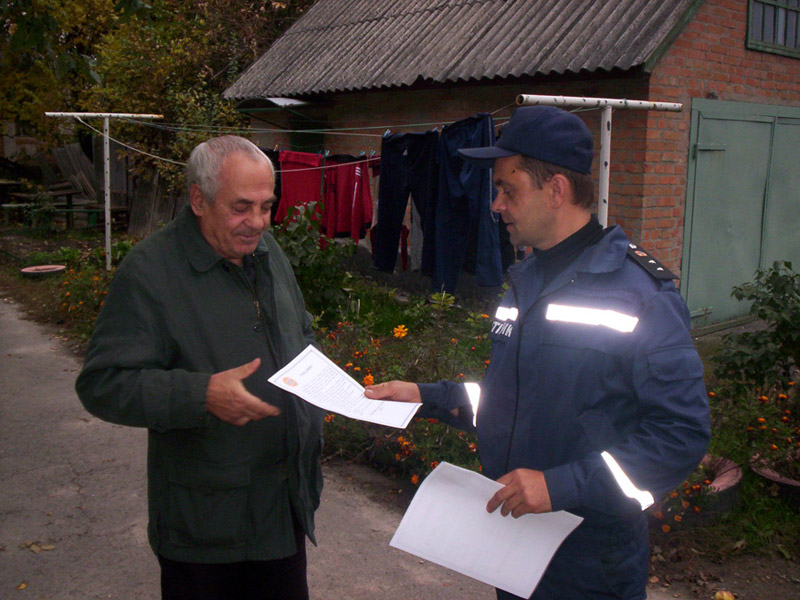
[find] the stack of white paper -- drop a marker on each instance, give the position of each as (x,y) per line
(447,524)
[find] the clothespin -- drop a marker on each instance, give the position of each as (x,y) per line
(387,132)
(371,153)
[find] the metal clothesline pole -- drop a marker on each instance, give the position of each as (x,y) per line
(607,105)
(106,162)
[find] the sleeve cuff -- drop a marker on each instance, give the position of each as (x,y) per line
(562,488)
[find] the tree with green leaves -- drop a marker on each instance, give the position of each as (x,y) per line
(172,57)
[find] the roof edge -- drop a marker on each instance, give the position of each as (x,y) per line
(659,52)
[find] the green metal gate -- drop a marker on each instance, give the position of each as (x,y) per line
(743,201)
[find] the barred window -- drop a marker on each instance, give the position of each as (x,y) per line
(774,26)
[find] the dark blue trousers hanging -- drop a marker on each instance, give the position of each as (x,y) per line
(463,209)
(408,166)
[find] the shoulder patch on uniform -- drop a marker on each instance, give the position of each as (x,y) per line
(650,263)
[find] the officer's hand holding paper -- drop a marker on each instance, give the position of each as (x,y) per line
(447,523)
(318,380)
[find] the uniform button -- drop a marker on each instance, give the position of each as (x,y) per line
(258,327)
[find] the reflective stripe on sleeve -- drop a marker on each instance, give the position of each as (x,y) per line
(474,394)
(592,316)
(505,313)
(643,497)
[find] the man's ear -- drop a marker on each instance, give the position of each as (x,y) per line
(197,200)
(559,190)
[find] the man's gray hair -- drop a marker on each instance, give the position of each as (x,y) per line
(206,159)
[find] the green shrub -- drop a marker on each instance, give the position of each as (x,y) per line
(766,357)
(316,260)
(83,292)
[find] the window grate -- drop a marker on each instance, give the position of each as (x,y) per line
(774,26)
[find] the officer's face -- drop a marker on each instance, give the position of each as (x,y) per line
(525,209)
(239,215)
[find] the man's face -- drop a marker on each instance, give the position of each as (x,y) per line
(523,207)
(239,215)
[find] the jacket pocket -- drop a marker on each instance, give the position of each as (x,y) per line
(207,505)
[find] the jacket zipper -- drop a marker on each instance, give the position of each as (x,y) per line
(517,356)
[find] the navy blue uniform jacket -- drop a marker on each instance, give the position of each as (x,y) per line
(600,360)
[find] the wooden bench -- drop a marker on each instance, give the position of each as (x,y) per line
(95,216)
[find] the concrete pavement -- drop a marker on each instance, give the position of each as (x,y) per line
(73,500)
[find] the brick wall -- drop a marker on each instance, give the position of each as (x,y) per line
(708,60)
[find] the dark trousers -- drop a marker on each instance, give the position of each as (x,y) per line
(464,218)
(281,579)
(610,564)
(408,166)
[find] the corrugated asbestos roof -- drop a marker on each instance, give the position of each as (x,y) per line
(341,45)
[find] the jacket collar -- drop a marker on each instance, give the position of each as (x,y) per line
(201,255)
(604,257)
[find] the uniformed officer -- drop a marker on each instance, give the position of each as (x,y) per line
(594,400)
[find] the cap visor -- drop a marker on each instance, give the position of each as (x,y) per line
(484,157)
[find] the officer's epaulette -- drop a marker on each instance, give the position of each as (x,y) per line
(650,263)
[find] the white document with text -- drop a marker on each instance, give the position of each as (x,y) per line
(447,524)
(320,381)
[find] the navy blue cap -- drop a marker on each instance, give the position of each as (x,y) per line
(545,133)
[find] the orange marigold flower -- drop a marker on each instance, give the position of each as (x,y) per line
(485,316)
(356,368)
(678,518)
(434,464)
(369,380)
(329,417)
(472,447)
(348,365)
(460,376)
(712,394)
(782,396)
(453,341)
(415,479)
(400,331)
(658,514)
(773,447)
(696,509)
(397,457)
(665,528)
(761,420)
(673,494)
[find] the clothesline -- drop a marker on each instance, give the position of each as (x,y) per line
(224,130)
(183,164)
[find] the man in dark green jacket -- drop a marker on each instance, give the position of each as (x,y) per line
(198,316)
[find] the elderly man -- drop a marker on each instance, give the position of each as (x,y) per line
(593,401)
(199,315)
